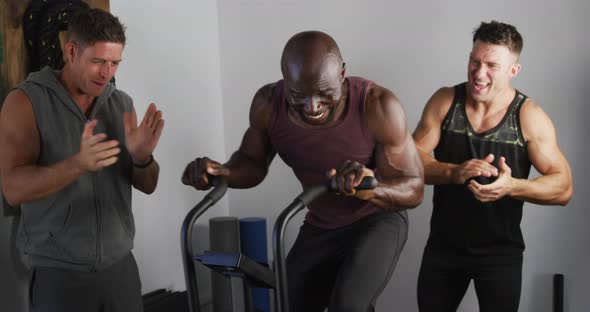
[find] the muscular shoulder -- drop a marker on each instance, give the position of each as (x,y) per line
(262,107)
(439,103)
(16,105)
(427,133)
(18,130)
(381,102)
(530,110)
(534,121)
(386,118)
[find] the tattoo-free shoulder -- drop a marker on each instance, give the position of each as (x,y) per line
(380,100)
(262,107)
(17,105)
(386,118)
(440,102)
(18,129)
(534,120)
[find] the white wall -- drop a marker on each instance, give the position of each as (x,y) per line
(172,59)
(413,48)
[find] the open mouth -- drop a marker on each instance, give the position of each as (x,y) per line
(480,85)
(316,116)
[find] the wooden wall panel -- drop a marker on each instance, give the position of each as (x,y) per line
(12,53)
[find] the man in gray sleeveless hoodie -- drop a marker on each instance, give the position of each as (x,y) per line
(70,150)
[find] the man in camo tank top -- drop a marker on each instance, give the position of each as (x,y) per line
(485,135)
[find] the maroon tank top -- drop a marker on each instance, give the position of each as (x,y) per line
(311,152)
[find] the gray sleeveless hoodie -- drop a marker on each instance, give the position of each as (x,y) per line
(88,225)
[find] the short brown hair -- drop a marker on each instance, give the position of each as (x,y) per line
(499,33)
(89,26)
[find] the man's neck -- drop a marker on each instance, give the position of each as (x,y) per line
(500,102)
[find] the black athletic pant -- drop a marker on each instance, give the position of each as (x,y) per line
(115,289)
(344,269)
(443,281)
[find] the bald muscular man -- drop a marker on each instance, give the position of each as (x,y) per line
(322,124)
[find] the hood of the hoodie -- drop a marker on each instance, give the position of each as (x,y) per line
(47,78)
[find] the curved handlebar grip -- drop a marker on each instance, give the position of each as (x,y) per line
(215,181)
(219,187)
(367,183)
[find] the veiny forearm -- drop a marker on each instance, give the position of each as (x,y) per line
(398,193)
(146,179)
(436,172)
(551,189)
(245,172)
(27,183)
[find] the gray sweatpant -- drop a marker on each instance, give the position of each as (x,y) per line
(115,289)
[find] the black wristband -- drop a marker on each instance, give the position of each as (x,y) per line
(149,162)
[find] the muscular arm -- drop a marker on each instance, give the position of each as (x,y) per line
(554,186)
(399,168)
(249,165)
(427,136)
(22,179)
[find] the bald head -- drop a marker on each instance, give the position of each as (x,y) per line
(314,81)
(309,53)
